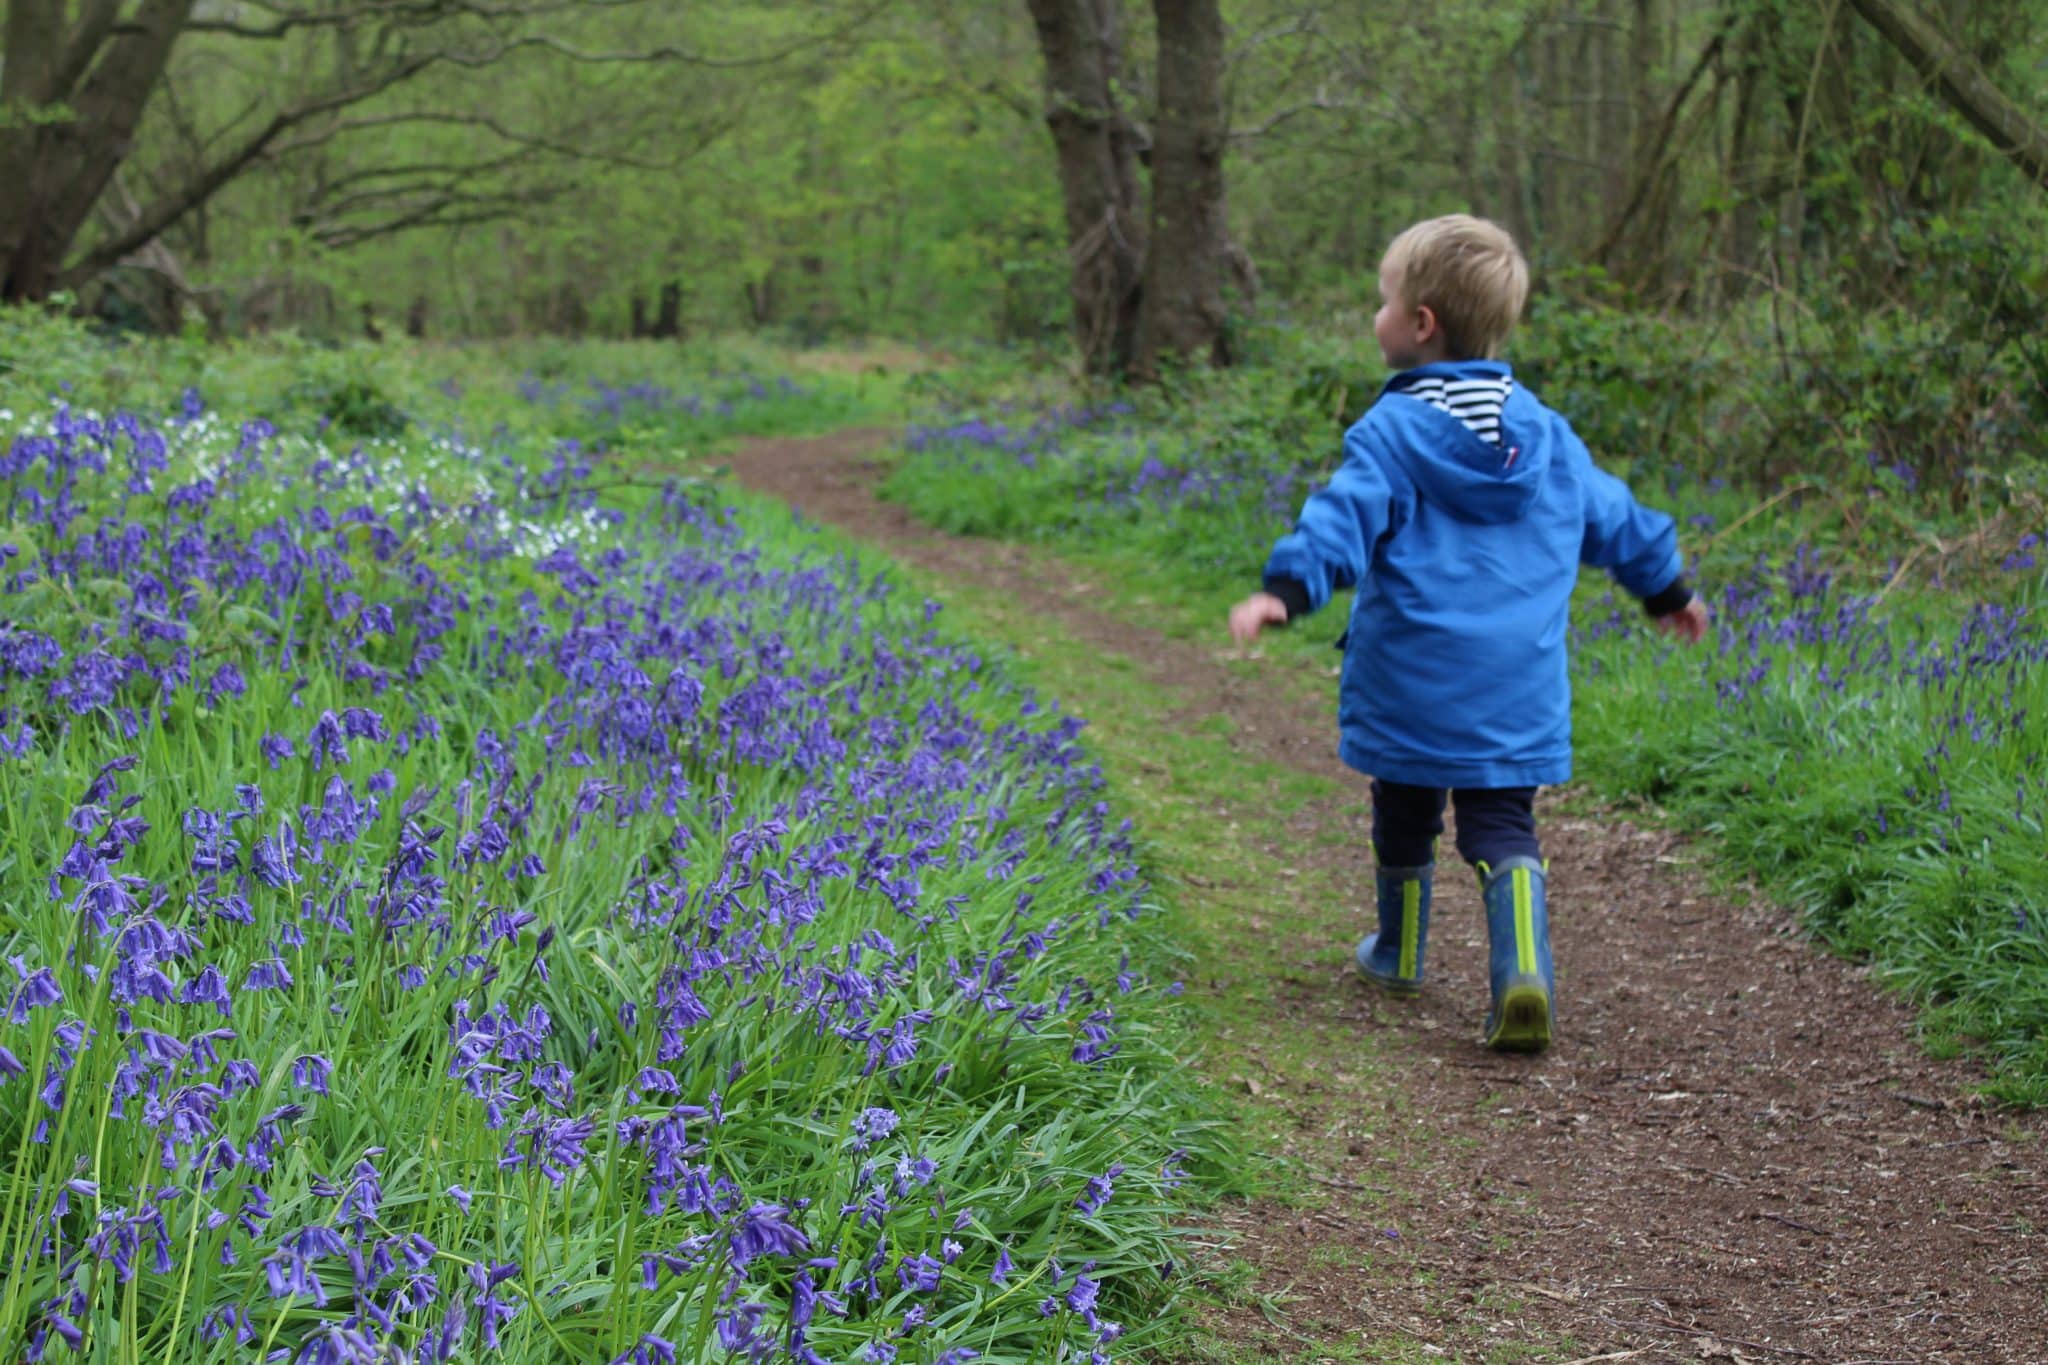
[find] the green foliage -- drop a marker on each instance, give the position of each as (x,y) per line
(661,400)
(355,406)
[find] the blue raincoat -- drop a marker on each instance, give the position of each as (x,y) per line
(1464,554)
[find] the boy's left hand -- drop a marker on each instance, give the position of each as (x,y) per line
(1688,623)
(1254,614)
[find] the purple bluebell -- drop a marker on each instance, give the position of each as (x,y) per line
(268,975)
(38,989)
(764,1229)
(1096,1196)
(920,1273)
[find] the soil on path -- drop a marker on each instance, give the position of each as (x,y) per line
(1736,1151)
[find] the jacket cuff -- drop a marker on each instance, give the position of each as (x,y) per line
(1293,595)
(1673,598)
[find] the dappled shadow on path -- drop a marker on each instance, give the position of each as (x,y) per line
(1736,1151)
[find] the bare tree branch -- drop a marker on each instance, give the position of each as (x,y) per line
(1971,93)
(203,186)
(1652,165)
(1320,103)
(531,141)
(1309,23)
(389,13)
(670,53)
(452,210)
(426,12)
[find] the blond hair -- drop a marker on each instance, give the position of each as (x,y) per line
(1467,271)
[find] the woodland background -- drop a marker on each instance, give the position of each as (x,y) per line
(608,167)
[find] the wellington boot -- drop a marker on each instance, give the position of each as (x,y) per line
(1391,958)
(1524,983)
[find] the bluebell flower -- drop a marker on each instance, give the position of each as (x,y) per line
(650,1350)
(37,990)
(920,1273)
(268,975)
(871,1126)
(764,1230)
(311,1071)
(1096,1196)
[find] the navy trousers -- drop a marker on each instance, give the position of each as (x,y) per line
(1494,823)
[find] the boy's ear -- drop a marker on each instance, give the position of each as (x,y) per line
(1426,328)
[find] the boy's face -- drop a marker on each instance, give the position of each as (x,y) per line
(1405,334)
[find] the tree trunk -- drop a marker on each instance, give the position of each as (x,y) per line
(1745,170)
(1097,150)
(668,318)
(1549,166)
(1514,197)
(69,105)
(1629,144)
(1182,309)
(1962,83)
(761,299)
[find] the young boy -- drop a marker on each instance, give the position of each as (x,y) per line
(1461,513)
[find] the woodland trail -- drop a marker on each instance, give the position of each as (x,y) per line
(1736,1151)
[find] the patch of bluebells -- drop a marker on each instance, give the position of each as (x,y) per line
(1021,442)
(486,731)
(1905,752)
(616,405)
(1789,635)
(1106,471)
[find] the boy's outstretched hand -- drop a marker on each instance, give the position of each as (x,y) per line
(1688,623)
(1254,614)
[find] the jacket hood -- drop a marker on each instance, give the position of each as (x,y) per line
(1457,469)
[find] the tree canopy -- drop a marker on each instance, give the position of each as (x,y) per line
(484,167)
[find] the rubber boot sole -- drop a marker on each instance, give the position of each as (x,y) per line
(1521,1020)
(1392,985)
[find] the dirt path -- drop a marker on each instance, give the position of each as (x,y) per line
(1735,1152)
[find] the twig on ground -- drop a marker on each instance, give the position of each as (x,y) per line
(1667,1325)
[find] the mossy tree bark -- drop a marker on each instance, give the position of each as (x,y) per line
(1182,313)
(1097,147)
